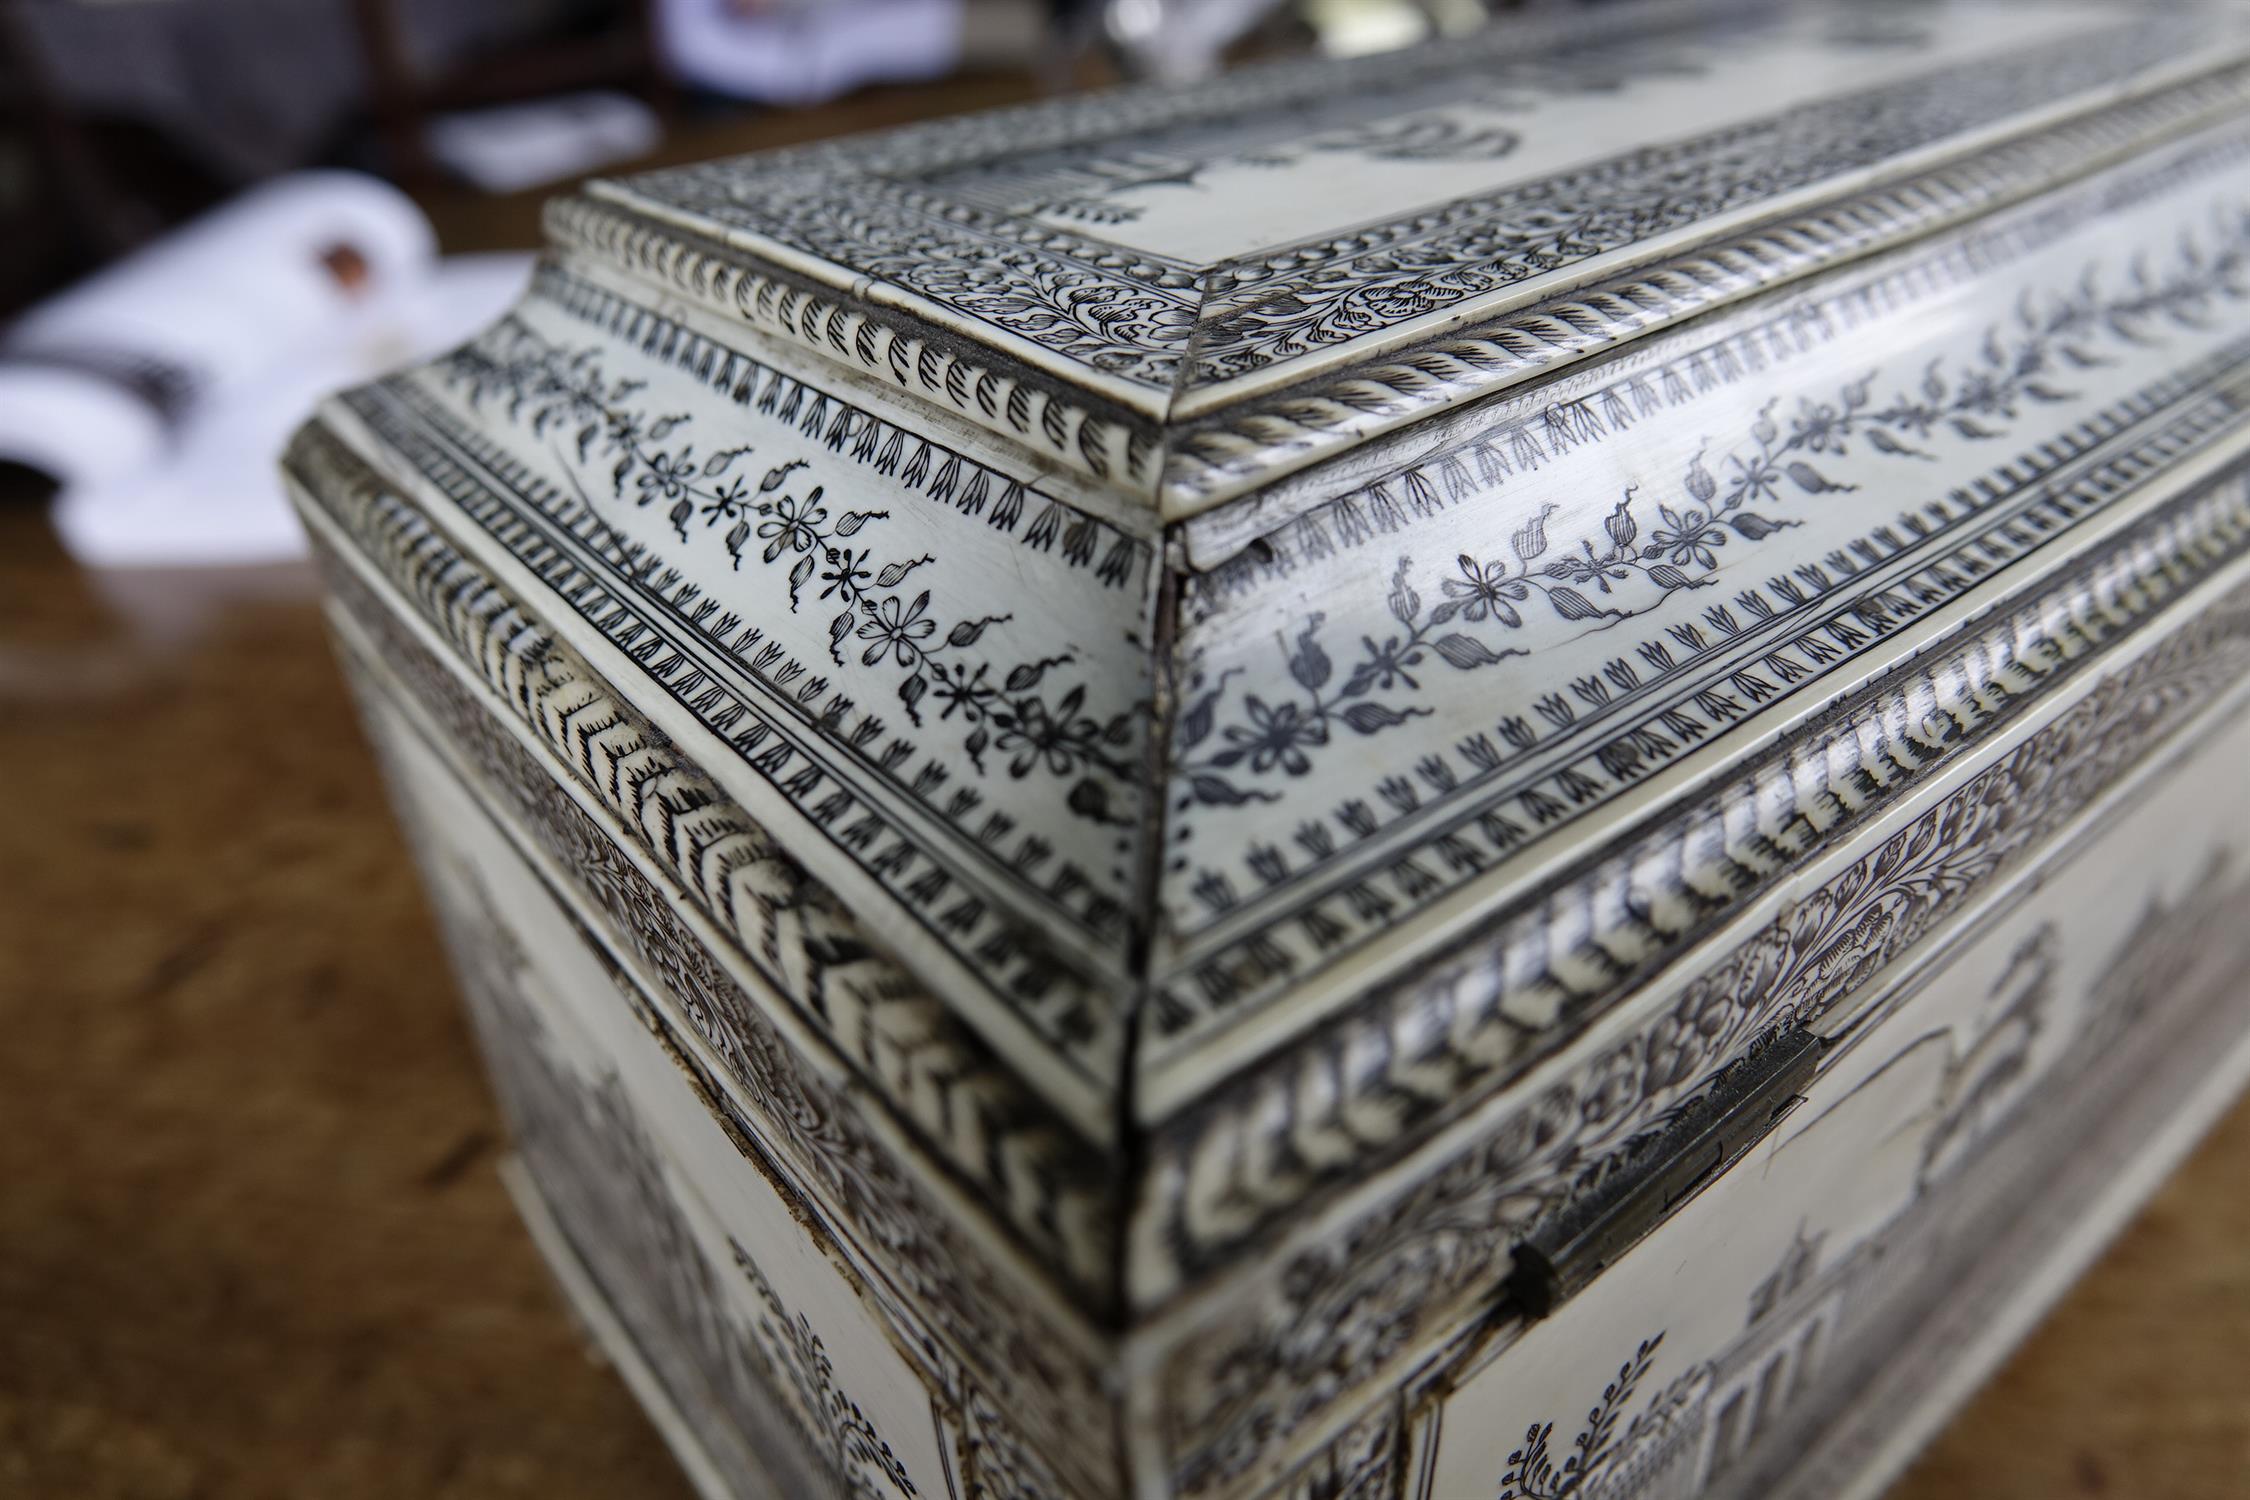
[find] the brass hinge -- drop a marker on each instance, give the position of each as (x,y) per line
(1646,1183)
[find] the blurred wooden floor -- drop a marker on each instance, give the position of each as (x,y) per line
(251,1240)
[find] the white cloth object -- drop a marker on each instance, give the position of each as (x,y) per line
(215,497)
(804,54)
(239,290)
(160,390)
(76,427)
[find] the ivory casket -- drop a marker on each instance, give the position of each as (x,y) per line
(1510,771)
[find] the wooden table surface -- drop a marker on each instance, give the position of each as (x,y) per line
(251,1239)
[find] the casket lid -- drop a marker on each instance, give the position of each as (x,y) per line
(1186,292)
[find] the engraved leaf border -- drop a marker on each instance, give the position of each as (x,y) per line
(1229,749)
(883,616)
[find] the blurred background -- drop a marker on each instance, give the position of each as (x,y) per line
(251,1242)
(215,208)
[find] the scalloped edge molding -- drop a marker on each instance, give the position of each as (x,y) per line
(1216,454)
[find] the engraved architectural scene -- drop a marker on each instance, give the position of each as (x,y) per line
(1959,1091)
(754,1368)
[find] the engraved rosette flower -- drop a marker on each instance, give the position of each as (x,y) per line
(793,525)
(1485,591)
(897,627)
(1060,737)
(664,476)
(1689,536)
(1821,427)
(1278,734)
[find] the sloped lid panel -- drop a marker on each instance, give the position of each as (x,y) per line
(1465,756)
(908,661)
(1157,258)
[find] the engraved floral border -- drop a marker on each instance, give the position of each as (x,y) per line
(1674,539)
(1246,444)
(833,554)
(1014,962)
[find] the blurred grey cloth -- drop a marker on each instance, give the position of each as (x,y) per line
(249,87)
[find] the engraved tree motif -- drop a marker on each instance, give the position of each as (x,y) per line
(852,1446)
(1983,1080)
(1532,1472)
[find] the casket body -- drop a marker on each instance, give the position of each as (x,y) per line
(1512,771)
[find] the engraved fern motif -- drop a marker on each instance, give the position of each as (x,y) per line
(854,1449)
(1534,1474)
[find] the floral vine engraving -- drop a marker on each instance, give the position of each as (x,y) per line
(1419,264)
(1429,136)
(1482,594)
(855,1450)
(882,616)
(1714,513)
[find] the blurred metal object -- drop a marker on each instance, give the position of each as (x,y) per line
(1176,41)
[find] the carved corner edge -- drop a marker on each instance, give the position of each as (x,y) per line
(1053,419)
(943,1089)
